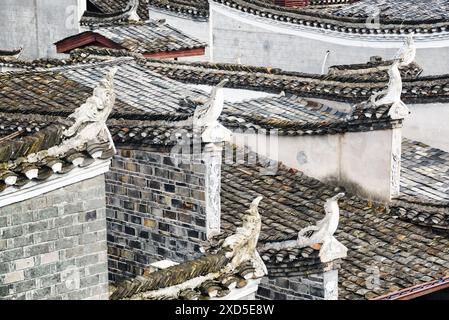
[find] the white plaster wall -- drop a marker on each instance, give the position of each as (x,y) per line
(280,47)
(236,95)
(37,24)
(428,123)
(359,161)
(197,29)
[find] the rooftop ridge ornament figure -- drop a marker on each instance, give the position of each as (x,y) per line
(206,116)
(89,121)
(407,53)
(243,244)
(131,8)
(392,95)
(321,235)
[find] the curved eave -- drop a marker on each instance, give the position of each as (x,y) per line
(328,30)
(182,14)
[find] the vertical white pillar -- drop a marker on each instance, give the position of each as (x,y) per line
(330,283)
(212,157)
(396,150)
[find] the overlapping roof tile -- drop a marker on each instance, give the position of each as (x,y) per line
(193,9)
(114,6)
(149,37)
(395,18)
(379,243)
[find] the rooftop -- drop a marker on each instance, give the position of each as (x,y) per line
(395,18)
(144,95)
(350,87)
(193,9)
(147,38)
(115,6)
(378,241)
(28,161)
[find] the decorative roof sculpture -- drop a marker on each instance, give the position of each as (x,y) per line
(391,97)
(27,161)
(320,236)
(89,121)
(229,263)
(407,54)
(206,116)
(132,8)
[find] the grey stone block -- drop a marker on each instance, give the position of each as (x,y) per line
(46,213)
(10,255)
(12,232)
(24,286)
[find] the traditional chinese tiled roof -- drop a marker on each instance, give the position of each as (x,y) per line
(375,68)
(401,252)
(348,87)
(424,196)
(16,171)
(143,95)
(45,63)
(116,6)
(57,149)
(98,19)
(395,18)
(294,116)
(172,276)
(425,171)
(144,37)
(425,212)
(193,9)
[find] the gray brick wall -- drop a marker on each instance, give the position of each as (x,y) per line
(155,210)
(292,288)
(54,246)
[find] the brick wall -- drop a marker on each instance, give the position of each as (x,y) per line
(54,246)
(323,286)
(155,210)
(291,288)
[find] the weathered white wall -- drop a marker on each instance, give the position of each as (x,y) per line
(266,43)
(428,123)
(359,161)
(197,29)
(236,95)
(37,24)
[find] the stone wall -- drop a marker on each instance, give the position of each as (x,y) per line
(155,211)
(54,246)
(314,287)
